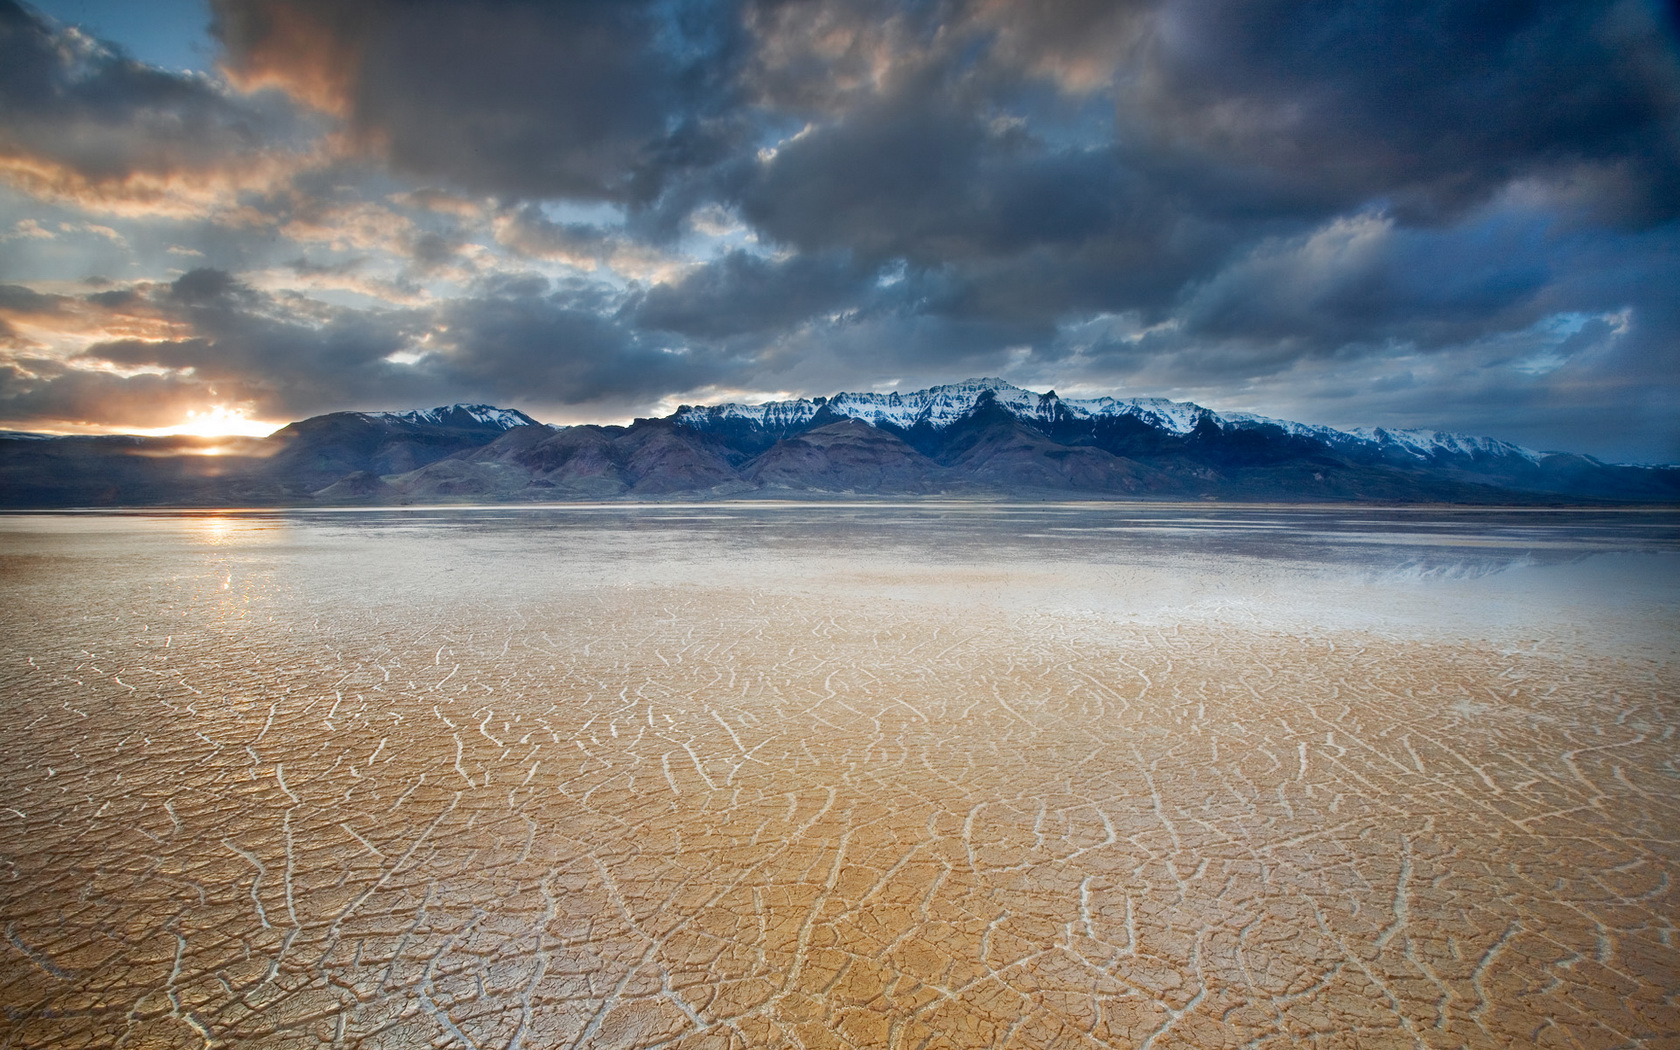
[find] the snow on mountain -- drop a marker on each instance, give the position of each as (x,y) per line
(1419,444)
(1425,444)
(460,415)
(772,415)
(940,406)
(1244,420)
(1179,417)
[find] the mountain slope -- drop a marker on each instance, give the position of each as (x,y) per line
(1179,449)
(981,437)
(848,456)
(308,455)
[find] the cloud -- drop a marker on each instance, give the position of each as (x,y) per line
(822,58)
(1435,106)
(214,339)
(529,234)
(1363,278)
(63,397)
(207,285)
(549,350)
(1550,385)
(85,123)
(1224,126)
(594,99)
(210,338)
(18,301)
(31,229)
(744,293)
(1365,211)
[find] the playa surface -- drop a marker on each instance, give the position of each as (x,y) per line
(862,775)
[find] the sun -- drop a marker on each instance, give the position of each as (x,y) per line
(220,421)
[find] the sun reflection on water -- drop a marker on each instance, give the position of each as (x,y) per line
(216,531)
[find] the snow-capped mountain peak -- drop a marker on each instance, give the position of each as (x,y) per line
(940,406)
(460,415)
(1426,444)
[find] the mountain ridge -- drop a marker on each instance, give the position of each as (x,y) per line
(936,405)
(978,438)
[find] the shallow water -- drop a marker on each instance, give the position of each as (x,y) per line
(861,775)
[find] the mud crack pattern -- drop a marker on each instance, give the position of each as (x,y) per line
(238,810)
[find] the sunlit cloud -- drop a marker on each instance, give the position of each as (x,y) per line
(92,128)
(31,229)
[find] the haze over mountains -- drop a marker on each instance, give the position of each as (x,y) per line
(979,438)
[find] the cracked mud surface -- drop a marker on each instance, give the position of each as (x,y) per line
(677,781)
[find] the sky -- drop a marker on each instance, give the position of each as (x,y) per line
(1456,215)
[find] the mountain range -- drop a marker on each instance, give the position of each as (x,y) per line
(982,438)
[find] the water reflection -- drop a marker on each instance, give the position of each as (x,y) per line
(212,530)
(1402,540)
(1407,566)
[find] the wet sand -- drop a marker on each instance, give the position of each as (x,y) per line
(842,779)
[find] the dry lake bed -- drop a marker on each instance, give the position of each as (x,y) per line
(861,775)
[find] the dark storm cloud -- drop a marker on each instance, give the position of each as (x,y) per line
(744,293)
(1435,104)
(772,323)
(546,350)
(931,184)
(914,348)
(593,99)
(1310,103)
(1228,123)
(207,285)
(1365,274)
(1018,229)
(85,122)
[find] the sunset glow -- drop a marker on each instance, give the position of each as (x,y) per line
(219,421)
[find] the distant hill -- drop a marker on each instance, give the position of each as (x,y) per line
(982,438)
